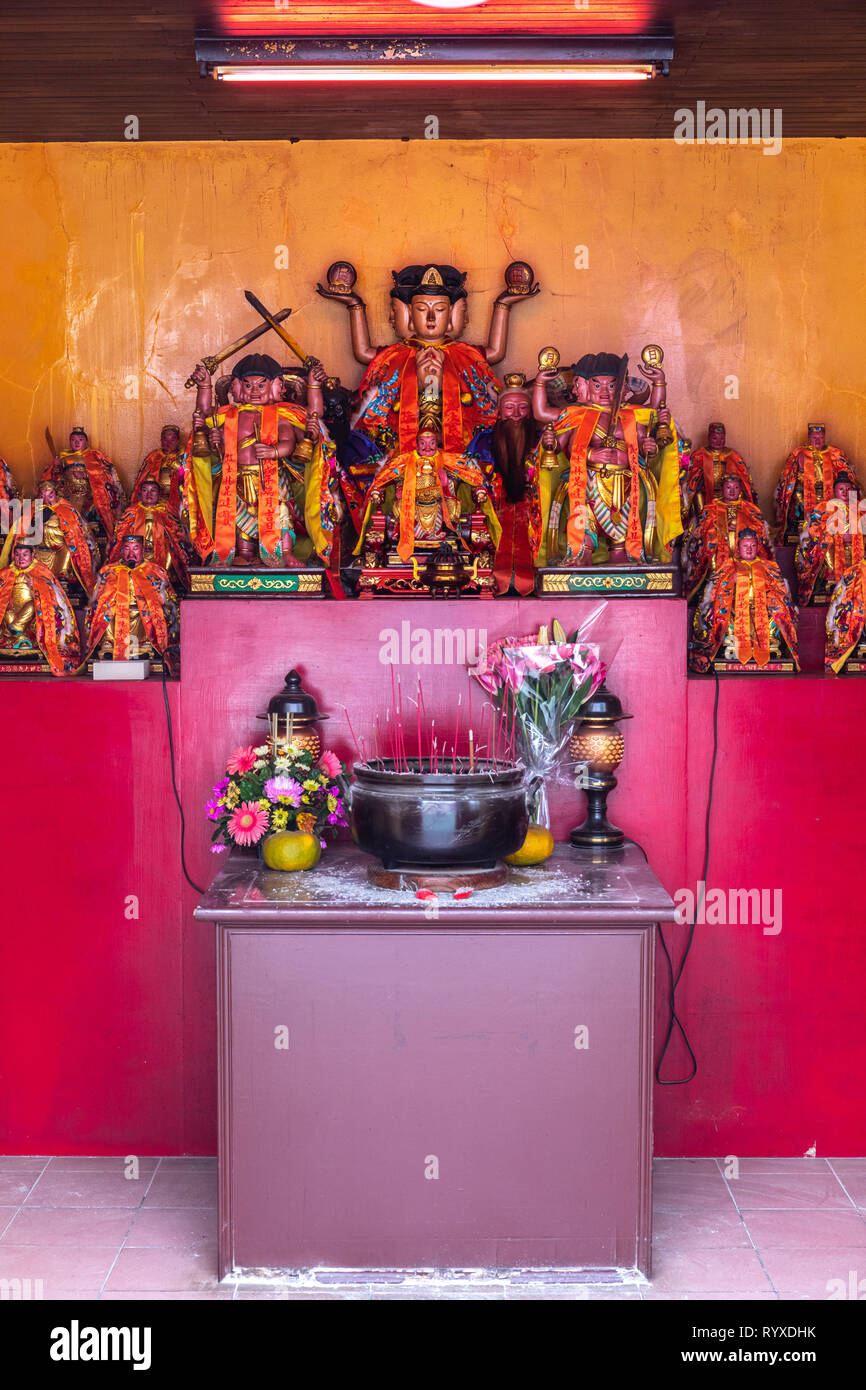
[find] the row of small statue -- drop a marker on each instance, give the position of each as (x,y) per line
(434,475)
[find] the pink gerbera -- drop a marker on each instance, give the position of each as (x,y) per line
(248,823)
(330,763)
(242,760)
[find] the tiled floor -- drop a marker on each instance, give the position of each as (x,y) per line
(781,1229)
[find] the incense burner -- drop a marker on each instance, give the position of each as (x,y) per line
(439,820)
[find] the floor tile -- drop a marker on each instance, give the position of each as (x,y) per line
(59,1267)
(84,1226)
(190,1165)
(15,1186)
(172,1227)
(706,1228)
(6,1215)
(808,1272)
(182,1189)
(693,1270)
(171,1270)
(23,1164)
(826,1228)
(61,1189)
(747,1167)
(120,1166)
(851,1173)
(674,1191)
(794,1190)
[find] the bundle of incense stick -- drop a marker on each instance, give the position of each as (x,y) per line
(489,748)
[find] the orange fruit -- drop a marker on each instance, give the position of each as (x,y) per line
(537,847)
(290,850)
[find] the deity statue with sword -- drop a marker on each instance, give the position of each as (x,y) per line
(262,472)
(611,488)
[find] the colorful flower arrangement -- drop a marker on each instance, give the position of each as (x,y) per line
(259,795)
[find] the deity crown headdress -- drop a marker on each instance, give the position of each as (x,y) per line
(424,279)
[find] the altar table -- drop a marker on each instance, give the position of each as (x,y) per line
(412,1084)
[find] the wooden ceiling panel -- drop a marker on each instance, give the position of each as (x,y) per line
(72,72)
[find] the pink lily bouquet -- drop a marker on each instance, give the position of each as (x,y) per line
(259,795)
(539,686)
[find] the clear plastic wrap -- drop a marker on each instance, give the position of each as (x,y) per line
(539,686)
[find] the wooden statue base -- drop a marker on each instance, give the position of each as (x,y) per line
(309,582)
(399,581)
(157,663)
(409,880)
(783,667)
(856,663)
(611,581)
(29,666)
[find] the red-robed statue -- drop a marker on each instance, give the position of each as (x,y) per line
(67,546)
(429,377)
(257,463)
(747,606)
(163,464)
(807,480)
(163,538)
(712,538)
(419,494)
(133,610)
(35,615)
(88,479)
(708,467)
(830,543)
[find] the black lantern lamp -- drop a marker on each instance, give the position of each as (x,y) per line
(598,746)
(291,716)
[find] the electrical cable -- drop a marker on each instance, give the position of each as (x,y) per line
(174,783)
(674,1020)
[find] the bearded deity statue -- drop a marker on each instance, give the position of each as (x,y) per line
(612,484)
(163,465)
(420,503)
(708,466)
(88,479)
(164,542)
(66,544)
(133,612)
(510,458)
(745,609)
(830,543)
(807,480)
(37,625)
(428,379)
(712,537)
(271,465)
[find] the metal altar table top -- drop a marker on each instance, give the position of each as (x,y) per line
(573,887)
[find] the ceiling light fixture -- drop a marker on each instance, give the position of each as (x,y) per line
(455,58)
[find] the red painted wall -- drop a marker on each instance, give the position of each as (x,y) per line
(107,1032)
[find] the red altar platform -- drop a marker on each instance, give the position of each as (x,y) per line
(107,1016)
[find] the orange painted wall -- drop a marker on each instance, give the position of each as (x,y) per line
(124,263)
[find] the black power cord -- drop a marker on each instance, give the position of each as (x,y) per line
(674,1021)
(174,783)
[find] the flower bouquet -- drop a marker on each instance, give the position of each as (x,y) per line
(539,687)
(260,796)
